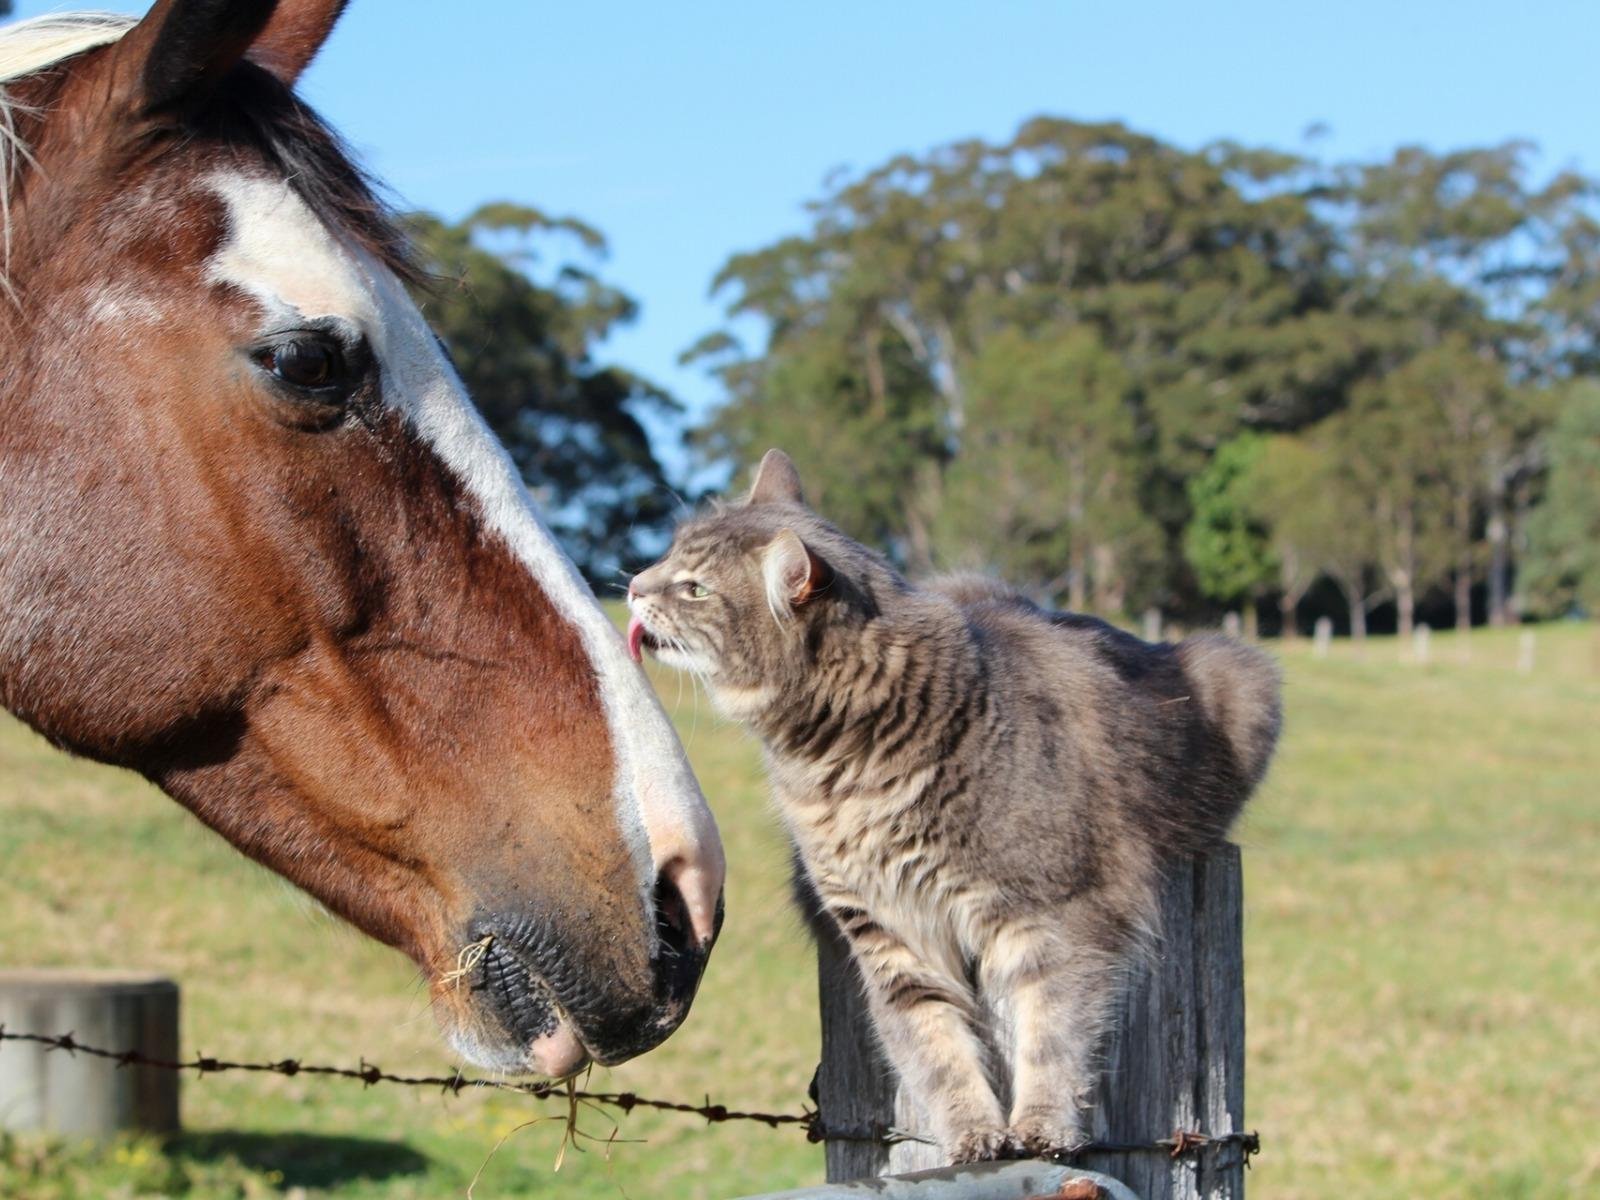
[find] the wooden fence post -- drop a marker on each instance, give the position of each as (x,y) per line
(56,1091)
(1174,1060)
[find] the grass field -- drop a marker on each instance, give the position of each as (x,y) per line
(1423,940)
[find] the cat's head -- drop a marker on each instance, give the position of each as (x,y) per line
(743,586)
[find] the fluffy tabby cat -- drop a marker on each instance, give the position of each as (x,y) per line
(981,793)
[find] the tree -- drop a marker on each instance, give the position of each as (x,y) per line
(1467,258)
(1227,541)
(1201,275)
(1387,448)
(1044,486)
(1346,540)
(1274,513)
(1457,399)
(524,348)
(1564,535)
(1285,489)
(861,422)
(1566,311)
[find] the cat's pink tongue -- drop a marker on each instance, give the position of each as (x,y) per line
(636,639)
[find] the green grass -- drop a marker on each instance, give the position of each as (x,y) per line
(1422,878)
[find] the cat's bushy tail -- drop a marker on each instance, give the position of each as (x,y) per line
(1239,689)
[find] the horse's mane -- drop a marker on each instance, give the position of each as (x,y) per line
(250,109)
(27,48)
(30,46)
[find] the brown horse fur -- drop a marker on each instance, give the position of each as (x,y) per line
(293,614)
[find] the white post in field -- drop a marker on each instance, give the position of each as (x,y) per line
(1420,639)
(1152,624)
(1525,652)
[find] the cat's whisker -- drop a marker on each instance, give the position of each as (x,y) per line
(694,726)
(697,675)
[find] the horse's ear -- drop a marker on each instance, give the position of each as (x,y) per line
(294,35)
(777,481)
(171,60)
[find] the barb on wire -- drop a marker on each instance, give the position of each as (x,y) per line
(1182,1143)
(371,1074)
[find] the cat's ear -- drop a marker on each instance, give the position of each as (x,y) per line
(777,482)
(794,572)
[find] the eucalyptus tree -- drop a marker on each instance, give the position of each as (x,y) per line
(1564,566)
(1483,275)
(1045,485)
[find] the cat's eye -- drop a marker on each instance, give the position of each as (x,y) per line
(696,591)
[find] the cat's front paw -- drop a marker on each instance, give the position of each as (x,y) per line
(982,1145)
(1040,1133)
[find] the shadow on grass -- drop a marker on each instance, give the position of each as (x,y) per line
(302,1159)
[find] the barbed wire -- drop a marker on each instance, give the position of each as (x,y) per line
(1183,1143)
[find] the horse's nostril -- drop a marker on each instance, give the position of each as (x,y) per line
(681,951)
(673,926)
(695,884)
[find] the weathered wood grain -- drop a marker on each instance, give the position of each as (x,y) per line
(1174,1060)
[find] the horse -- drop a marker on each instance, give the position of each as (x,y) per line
(257,545)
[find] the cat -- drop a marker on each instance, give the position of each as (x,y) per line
(981,793)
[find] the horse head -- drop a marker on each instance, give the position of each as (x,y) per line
(257,545)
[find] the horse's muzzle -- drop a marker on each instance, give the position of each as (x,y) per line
(557,1009)
(675,968)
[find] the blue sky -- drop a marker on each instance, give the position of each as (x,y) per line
(689,131)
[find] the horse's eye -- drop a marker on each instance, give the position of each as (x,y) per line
(312,364)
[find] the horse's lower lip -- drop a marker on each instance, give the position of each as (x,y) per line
(558,1054)
(527,1008)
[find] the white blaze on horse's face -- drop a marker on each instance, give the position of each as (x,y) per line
(279,253)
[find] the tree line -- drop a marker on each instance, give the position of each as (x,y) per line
(1124,374)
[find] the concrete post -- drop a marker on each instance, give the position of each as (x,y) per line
(76,1095)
